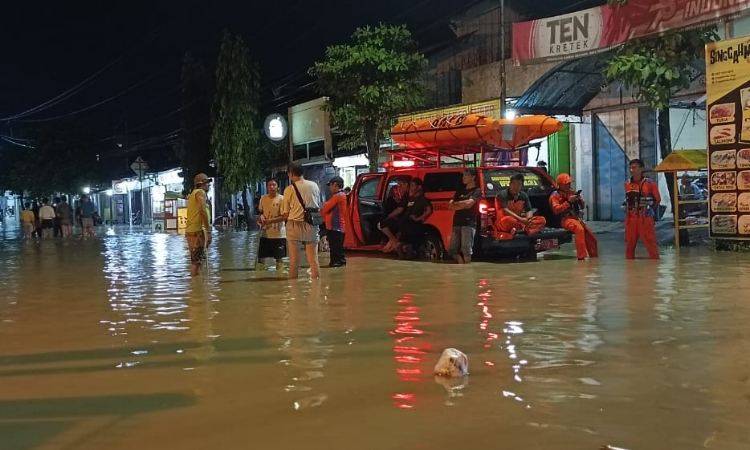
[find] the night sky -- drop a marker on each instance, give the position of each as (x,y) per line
(49,47)
(53,46)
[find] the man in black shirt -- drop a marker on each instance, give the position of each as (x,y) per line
(418,210)
(395,208)
(465,203)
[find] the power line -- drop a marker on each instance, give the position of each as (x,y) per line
(79,87)
(107,100)
(12,141)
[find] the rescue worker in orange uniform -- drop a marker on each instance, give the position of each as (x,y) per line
(514,210)
(567,205)
(641,203)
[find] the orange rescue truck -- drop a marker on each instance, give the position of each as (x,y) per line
(497,148)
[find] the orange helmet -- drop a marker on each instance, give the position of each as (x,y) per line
(564,178)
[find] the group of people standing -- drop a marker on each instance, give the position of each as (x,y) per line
(45,220)
(515,213)
(290,223)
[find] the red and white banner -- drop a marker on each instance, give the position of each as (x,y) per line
(597,29)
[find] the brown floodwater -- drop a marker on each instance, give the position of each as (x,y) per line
(107,344)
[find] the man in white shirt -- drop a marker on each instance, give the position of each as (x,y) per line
(47,217)
(300,233)
(273,236)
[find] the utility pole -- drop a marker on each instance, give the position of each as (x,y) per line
(503,92)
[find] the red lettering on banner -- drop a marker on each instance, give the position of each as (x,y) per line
(598,29)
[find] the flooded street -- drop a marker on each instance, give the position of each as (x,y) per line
(107,344)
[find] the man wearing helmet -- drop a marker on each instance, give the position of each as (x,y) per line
(566,206)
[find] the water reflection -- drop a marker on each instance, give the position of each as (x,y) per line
(643,354)
(301,331)
(406,349)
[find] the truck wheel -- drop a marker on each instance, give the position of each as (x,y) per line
(432,247)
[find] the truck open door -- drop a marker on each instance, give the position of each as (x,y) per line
(365,211)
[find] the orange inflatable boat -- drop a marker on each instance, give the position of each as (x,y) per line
(473,129)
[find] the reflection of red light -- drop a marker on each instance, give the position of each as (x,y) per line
(407,329)
(403,396)
(486,312)
(489,363)
(411,350)
(407,359)
(492,336)
(406,318)
(483,326)
(404,339)
(402,406)
(409,371)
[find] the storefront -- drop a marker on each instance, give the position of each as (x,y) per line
(161,193)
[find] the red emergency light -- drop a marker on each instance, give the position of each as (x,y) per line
(397,164)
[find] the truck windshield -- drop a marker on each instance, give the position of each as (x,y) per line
(499,179)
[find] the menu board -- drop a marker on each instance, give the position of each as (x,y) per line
(728,104)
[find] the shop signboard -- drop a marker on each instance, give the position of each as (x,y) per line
(598,29)
(728,111)
(181,220)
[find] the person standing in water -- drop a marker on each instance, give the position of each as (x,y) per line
(273,236)
(198,229)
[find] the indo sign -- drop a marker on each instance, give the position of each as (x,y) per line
(598,29)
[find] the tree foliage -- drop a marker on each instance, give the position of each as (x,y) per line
(369,81)
(64,159)
(236,131)
(194,147)
(656,68)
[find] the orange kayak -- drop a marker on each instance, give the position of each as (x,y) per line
(474,129)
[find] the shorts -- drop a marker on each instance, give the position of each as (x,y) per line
(300,233)
(65,222)
(87,223)
(272,248)
(197,247)
(48,224)
(462,240)
(28,227)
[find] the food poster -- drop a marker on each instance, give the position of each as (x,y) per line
(728,104)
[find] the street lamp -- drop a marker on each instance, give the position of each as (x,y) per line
(87,190)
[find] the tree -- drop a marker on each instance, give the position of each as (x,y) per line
(64,159)
(236,130)
(194,147)
(657,68)
(370,81)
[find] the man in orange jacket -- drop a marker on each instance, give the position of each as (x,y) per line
(514,210)
(566,205)
(641,203)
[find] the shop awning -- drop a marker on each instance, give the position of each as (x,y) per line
(683,160)
(565,89)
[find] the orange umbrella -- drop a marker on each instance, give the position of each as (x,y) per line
(473,129)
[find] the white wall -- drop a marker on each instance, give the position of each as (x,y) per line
(688,128)
(583,160)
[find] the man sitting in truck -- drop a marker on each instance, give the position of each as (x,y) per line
(418,210)
(395,207)
(514,211)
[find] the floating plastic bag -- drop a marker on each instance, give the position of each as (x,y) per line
(452,363)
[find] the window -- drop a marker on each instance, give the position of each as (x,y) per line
(500,179)
(443,181)
(369,188)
